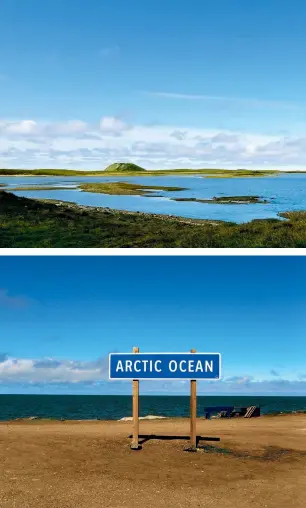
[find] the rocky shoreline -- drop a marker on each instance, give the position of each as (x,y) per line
(115,212)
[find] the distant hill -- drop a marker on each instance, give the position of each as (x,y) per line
(124,167)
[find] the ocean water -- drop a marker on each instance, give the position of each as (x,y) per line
(114,407)
(285,192)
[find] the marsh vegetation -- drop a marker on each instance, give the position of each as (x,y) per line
(32,223)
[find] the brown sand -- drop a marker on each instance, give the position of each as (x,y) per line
(260,463)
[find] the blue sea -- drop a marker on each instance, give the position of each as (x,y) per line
(115,407)
(286,192)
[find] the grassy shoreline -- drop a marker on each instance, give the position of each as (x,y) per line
(35,223)
(207,173)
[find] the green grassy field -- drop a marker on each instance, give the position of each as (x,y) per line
(33,223)
(208,173)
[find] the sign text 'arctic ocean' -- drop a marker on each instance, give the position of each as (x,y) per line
(165,366)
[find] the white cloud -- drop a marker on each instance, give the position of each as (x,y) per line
(31,128)
(23,127)
(23,370)
(67,128)
(112,126)
(77,144)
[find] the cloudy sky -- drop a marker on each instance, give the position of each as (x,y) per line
(162,84)
(61,317)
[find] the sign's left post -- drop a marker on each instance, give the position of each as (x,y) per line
(135,441)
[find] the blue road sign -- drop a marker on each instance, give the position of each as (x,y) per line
(165,366)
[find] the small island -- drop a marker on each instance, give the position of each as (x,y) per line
(227,200)
(127,189)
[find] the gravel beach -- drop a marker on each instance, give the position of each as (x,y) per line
(258,462)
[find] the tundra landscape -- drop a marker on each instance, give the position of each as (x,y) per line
(176,208)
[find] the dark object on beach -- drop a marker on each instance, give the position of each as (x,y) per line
(252,412)
(226,410)
(223,414)
(232,412)
(239,411)
(245,412)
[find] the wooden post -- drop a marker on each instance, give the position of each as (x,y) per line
(193,412)
(135,443)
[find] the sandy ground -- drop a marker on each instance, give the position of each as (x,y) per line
(257,463)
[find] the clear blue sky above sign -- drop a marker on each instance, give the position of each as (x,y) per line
(165,366)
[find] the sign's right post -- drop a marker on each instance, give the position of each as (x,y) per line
(193,412)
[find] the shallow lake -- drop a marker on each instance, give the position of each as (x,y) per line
(285,192)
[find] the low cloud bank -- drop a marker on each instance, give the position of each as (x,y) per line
(46,373)
(77,144)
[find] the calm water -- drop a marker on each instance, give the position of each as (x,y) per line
(286,192)
(114,407)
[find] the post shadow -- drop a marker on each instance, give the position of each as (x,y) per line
(143,438)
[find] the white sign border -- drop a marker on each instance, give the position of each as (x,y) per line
(165,378)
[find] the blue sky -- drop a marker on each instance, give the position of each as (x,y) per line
(84,84)
(61,316)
